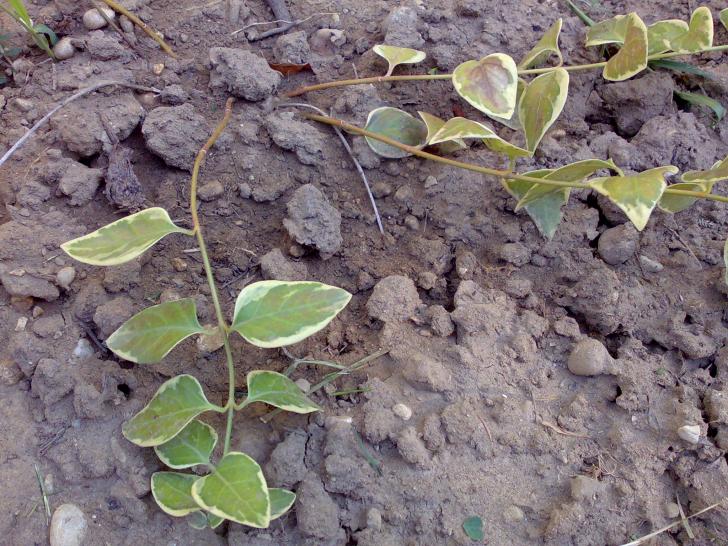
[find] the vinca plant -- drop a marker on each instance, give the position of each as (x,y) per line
(529,97)
(267,314)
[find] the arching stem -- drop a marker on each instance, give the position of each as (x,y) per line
(506,174)
(197,228)
(526,72)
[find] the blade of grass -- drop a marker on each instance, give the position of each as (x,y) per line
(698,99)
(588,21)
(680,66)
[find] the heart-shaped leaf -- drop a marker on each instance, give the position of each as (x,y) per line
(281,501)
(631,58)
(461,128)
(278,313)
(636,194)
(717,173)
(123,240)
(277,390)
(235,490)
(514,121)
(397,125)
(173,492)
(192,446)
(398,55)
(699,35)
(434,124)
(609,31)
(548,45)
(661,34)
(675,203)
(541,103)
(545,211)
(490,84)
(151,334)
(176,403)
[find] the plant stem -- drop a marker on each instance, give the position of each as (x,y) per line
(530,71)
(141,24)
(197,228)
(507,174)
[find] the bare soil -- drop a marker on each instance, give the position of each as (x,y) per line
(478,311)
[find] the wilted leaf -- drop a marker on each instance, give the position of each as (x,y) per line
(631,58)
(637,194)
(397,125)
(610,31)
(661,34)
(123,240)
(460,128)
(235,490)
(176,403)
(548,45)
(151,334)
(473,527)
(541,103)
(490,84)
(289,68)
(173,492)
(280,501)
(718,172)
(433,124)
(192,446)
(513,122)
(277,390)
(675,203)
(398,55)
(700,33)
(699,99)
(279,313)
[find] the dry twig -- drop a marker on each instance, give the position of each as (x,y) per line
(141,24)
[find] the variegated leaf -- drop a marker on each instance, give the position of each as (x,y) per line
(699,35)
(676,203)
(637,194)
(397,125)
(123,240)
(192,446)
(398,55)
(278,313)
(717,173)
(548,45)
(462,128)
(175,404)
(490,84)
(281,501)
(545,211)
(661,34)
(277,390)
(610,31)
(631,58)
(434,124)
(541,104)
(151,334)
(173,492)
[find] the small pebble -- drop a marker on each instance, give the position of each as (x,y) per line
(83,349)
(617,245)
(672,510)
(68,526)
(303,384)
(65,277)
(93,20)
(402,411)
(513,514)
(689,433)
(179,264)
(64,49)
(126,24)
(21,324)
(210,191)
(296,250)
(589,357)
(374,519)
(412,222)
(650,265)
(430,181)
(37,311)
(158,68)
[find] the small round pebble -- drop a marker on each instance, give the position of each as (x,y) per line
(617,245)
(650,265)
(589,357)
(68,526)
(303,384)
(65,276)
(402,411)
(64,49)
(513,514)
(211,191)
(374,519)
(93,20)
(689,433)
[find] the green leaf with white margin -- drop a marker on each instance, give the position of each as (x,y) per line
(675,203)
(192,446)
(541,103)
(699,35)
(609,31)
(637,194)
(546,211)
(173,492)
(197,520)
(277,390)
(723,16)
(235,490)
(214,521)
(717,173)
(661,34)
(548,45)
(461,128)
(574,172)
(398,55)
(281,501)
(513,122)
(490,84)
(272,314)
(176,403)
(123,240)
(433,124)
(151,334)
(397,125)
(631,58)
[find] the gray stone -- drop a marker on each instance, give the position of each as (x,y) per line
(210,190)
(242,73)
(274,265)
(618,244)
(68,526)
(589,357)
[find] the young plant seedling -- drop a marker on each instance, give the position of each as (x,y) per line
(267,314)
(41,34)
(529,97)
